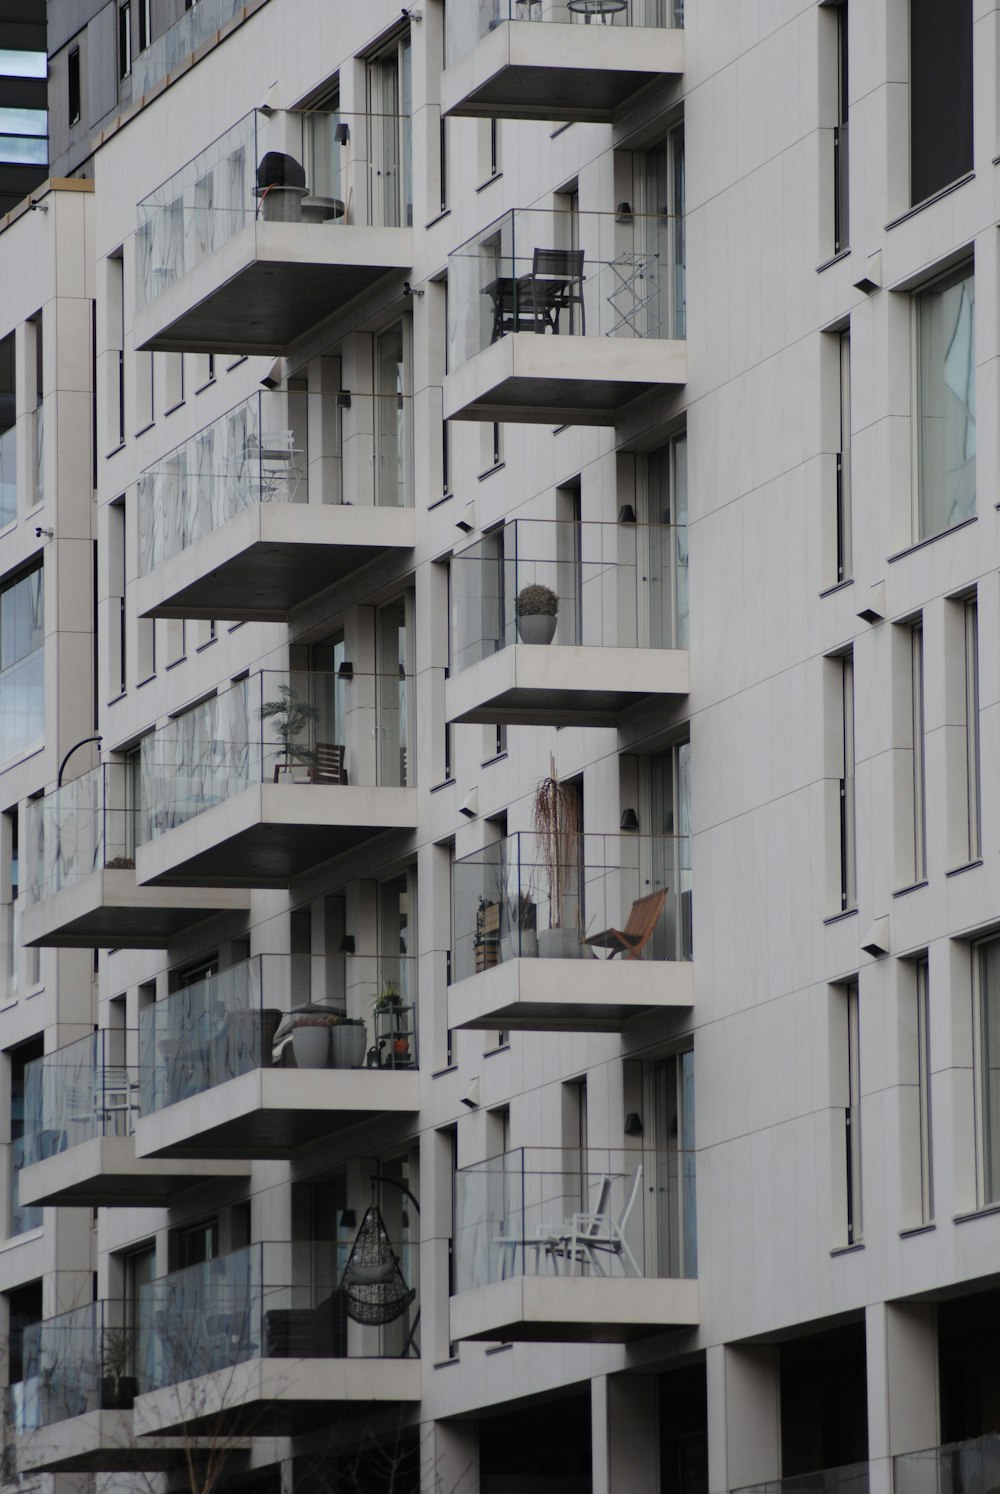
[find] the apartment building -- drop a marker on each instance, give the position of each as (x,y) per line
(499,626)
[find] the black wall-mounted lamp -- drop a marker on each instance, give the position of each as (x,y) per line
(348,1219)
(346,670)
(623,213)
(346,944)
(342,133)
(629,820)
(344,399)
(633,1124)
(626,514)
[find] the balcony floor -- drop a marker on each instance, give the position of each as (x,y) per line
(104,1442)
(529,684)
(268,1113)
(270,559)
(272,1396)
(108,910)
(544,380)
(586,995)
(574,1309)
(270,833)
(526,70)
(268,285)
(104,1173)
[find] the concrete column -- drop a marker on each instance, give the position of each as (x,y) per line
(449,1458)
(744,1417)
(629,1441)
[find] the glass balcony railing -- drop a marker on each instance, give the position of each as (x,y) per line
(548,581)
(8,475)
(260,452)
(277,726)
(83,1090)
(968,1467)
(22,705)
(84,826)
(299,1011)
(80,1361)
(548,1211)
(466,25)
(21,1218)
(533,896)
(195,27)
(568,274)
(312,167)
(280,1300)
(850,1478)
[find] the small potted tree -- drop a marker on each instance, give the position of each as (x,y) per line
(536,608)
(292,719)
(520,937)
(119,1384)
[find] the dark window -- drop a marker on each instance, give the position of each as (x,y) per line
(940,94)
(824,1401)
(73,85)
(842,222)
(967,1378)
(124,38)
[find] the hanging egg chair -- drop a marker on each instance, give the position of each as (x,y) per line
(373,1283)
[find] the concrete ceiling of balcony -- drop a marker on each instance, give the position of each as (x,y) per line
(107,910)
(103,1172)
(584,995)
(103,1442)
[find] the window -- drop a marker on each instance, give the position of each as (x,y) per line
(987,1068)
(22,660)
(8,432)
(844,558)
(971,764)
(917,748)
(145,24)
(124,38)
(848,854)
(841,157)
(946,403)
(940,95)
(73,85)
(24,136)
(852,1114)
(923,1042)
(390,102)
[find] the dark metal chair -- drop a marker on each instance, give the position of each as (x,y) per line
(556,286)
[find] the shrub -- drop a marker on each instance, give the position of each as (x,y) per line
(537,601)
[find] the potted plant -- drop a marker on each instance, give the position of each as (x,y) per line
(536,608)
(119,1385)
(348,1043)
(311,1039)
(556,822)
(292,718)
(520,937)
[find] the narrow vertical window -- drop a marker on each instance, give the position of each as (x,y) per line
(987,1069)
(8,432)
(844,558)
(494,148)
(124,38)
(145,24)
(924,1093)
(940,95)
(972,766)
(852,1116)
(848,853)
(945,402)
(917,744)
(841,156)
(73,85)
(443,160)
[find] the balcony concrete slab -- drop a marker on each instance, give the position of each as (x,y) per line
(105,1173)
(276,1395)
(270,559)
(548,380)
(529,684)
(103,1442)
(526,70)
(270,833)
(268,1113)
(268,285)
(585,995)
(109,910)
(574,1309)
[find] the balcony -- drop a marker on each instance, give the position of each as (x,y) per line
(561,318)
(512,59)
(80,888)
(274,1053)
(275,502)
(81,1103)
(567,1247)
(173,47)
(957,1468)
(278,224)
(850,1478)
(72,1411)
(566,624)
(272,777)
(276,1336)
(576,937)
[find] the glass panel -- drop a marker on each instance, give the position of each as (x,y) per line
(960,1468)
(196,26)
(78,1362)
(20,64)
(86,825)
(852,1478)
(22,671)
(946,403)
(83,1090)
(467,22)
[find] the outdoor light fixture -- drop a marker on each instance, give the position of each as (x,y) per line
(623,213)
(626,514)
(342,133)
(346,944)
(470,804)
(344,399)
(633,1124)
(630,820)
(346,671)
(467,522)
(348,1219)
(471,1096)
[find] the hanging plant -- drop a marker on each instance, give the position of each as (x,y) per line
(555,818)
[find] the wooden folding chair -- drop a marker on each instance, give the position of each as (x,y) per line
(328,766)
(643,917)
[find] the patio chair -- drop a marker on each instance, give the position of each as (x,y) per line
(643,917)
(556,286)
(591,1238)
(328,766)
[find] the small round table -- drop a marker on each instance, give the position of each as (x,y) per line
(602,11)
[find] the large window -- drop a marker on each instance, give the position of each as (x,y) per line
(940,95)
(22,676)
(848,854)
(946,403)
(988,1068)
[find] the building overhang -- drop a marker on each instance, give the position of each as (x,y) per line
(529,684)
(585,995)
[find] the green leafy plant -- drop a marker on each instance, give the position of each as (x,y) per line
(388,996)
(536,601)
(292,718)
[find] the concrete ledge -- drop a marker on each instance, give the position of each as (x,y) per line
(101,1442)
(104,1173)
(269,1112)
(544,380)
(574,1309)
(270,559)
(554,684)
(532,70)
(109,910)
(585,995)
(280,1389)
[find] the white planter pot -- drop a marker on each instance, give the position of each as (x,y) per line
(348,1046)
(311,1046)
(537,628)
(527,949)
(559,944)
